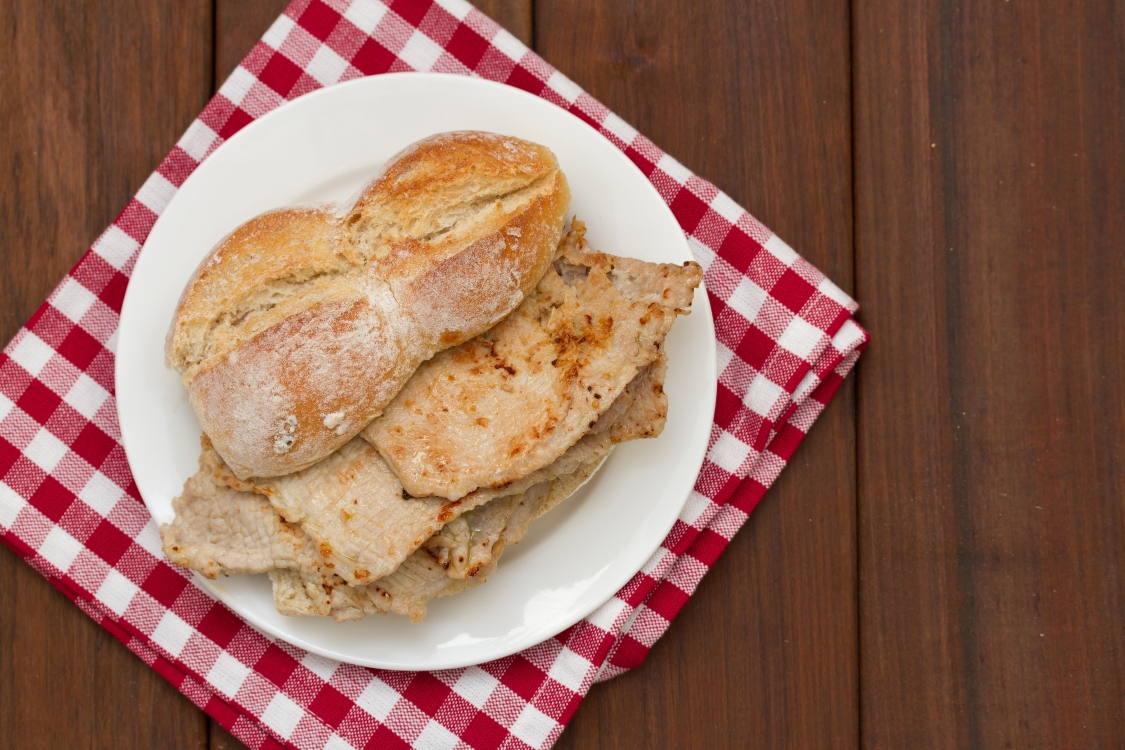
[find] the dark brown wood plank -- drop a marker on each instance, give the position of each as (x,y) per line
(755,97)
(93,97)
(990,229)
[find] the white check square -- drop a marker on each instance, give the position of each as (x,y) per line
(227,674)
(762,395)
(86,396)
(619,128)
(72,299)
(475,686)
(336,742)
(570,669)
(728,452)
(420,51)
(31,353)
(60,548)
(238,85)
(512,48)
(834,293)
(10,506)
(148,539)
(801,337)
(115,247)
(197,140)
(45,450)
(436,737)
(326,66)
(172,633)
(533,726)
(747,299)
(101,494)
(156,192)
(365,15)
(378,698)
(564,87)
(116,592)
(277,33)
(724,206)
(778,249)
(282,714)
(673,169)
(606,615)
(320,666)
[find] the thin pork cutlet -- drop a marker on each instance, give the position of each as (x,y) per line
(512,400)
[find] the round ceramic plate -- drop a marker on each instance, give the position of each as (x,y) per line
(324,147)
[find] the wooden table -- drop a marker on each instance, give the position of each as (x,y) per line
(943,564)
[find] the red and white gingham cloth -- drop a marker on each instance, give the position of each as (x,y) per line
(69,506)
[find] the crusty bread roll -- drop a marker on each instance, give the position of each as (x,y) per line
(303,324)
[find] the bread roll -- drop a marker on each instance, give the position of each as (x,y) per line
(303,324)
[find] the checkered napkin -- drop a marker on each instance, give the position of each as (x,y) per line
(69,506)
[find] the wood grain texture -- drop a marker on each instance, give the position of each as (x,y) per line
(990,229)
(81,129)
(754,96)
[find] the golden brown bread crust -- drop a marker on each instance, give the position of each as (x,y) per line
(257,266)
(303,324)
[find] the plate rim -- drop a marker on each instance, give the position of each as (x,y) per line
(701,305)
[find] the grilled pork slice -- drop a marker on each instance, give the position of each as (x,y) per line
(465,551)
(354,511)
(221,530)
(218,529)
(224,526)
(512,400)
(422,577)
(352,507)
(297,596)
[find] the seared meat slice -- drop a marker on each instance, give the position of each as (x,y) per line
(220,530)
(353,509)
(296,596)
(464,545)
(223,526)
(422,576)
(357,516)
(642,408)
(512,400)
(496,415)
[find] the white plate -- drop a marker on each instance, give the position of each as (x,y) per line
(324,147)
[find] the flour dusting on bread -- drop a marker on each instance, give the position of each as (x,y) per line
(321,311)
